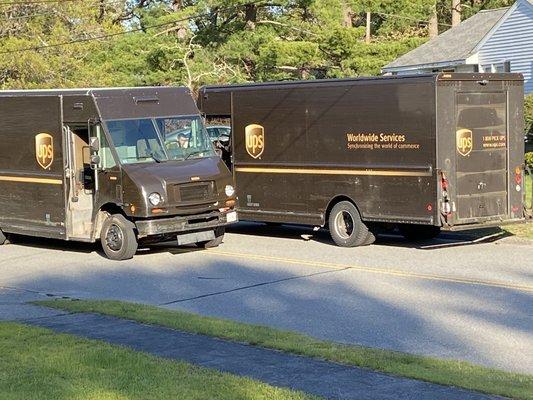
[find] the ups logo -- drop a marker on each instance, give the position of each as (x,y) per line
(255,140)
(464,141)
(44,150)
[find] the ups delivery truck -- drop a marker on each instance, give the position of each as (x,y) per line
(121,166)
(425,152)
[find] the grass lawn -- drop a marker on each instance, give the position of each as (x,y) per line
(36,363)
(529,191)
(454,373)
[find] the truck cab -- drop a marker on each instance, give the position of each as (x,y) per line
(136,165)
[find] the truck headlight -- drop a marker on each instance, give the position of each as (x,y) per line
(230,191)
(155,198)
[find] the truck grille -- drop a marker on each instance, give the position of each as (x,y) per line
(201,191)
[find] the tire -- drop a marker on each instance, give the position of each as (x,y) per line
(370,238)
(118,238)
(346,227)
(217,241)
(3,239)
(419,232)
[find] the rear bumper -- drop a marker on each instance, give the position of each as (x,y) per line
(175,225)
(481,225)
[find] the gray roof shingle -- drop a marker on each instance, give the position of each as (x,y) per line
(455,44)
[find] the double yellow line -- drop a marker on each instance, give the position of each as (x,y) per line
(379,271)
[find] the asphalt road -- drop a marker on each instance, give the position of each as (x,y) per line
(448,298)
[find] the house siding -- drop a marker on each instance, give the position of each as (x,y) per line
(513,41)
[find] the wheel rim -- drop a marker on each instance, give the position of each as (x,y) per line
(114,238)
(344,224)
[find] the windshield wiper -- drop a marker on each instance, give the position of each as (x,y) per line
(152,155)
(194,153)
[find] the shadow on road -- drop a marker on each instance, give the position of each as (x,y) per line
(386,238)
(329,304)
(86,248)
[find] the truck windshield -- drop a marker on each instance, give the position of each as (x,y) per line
(159,139)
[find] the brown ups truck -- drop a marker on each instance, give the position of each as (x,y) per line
(425,152)
(121,166)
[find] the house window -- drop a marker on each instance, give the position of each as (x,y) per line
(498,67)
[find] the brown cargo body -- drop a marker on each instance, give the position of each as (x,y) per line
(64,175)
(442,150)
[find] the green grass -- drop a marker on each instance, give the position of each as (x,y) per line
(529,191)
(446,372)
(36,363)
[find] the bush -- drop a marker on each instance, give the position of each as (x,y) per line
(528,113)
(529,160)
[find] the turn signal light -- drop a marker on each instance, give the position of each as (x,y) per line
(230,203)
(157,210)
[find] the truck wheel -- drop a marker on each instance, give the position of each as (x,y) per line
(217,241)
(118,238)
(370,238)
(419,232)
(346,227)
(3,238)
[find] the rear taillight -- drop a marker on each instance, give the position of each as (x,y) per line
(446,206)
(444,183)
(518,175)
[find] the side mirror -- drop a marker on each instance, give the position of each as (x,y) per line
(95,144)
(95,161)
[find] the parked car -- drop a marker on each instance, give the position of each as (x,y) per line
(220,133)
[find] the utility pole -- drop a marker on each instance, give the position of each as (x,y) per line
(368,32)
(456,12)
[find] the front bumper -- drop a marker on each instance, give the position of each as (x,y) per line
(175,225)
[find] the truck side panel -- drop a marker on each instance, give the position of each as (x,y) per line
(32,195)
(373,142)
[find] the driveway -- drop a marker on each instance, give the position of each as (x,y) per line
(448,298)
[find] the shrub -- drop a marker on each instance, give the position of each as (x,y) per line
(528,113)
(529,160)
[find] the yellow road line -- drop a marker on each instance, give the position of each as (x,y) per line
(380,271)
(31,180)
(317,171)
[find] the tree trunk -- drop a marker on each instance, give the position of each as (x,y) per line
(250,16)
(433,26)
(101,11)
(456,12)
(347,15)
(368,31)
(177,5)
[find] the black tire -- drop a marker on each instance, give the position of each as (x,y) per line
(118,238)
(217,241)
(419,232)
(346,227)
(370,238)
(3,239)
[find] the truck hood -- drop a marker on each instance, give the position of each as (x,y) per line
(172,172)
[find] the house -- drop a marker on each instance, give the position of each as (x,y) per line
(498,40)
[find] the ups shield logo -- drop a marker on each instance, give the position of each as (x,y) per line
(464,141)
(44,150)
(255,140)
